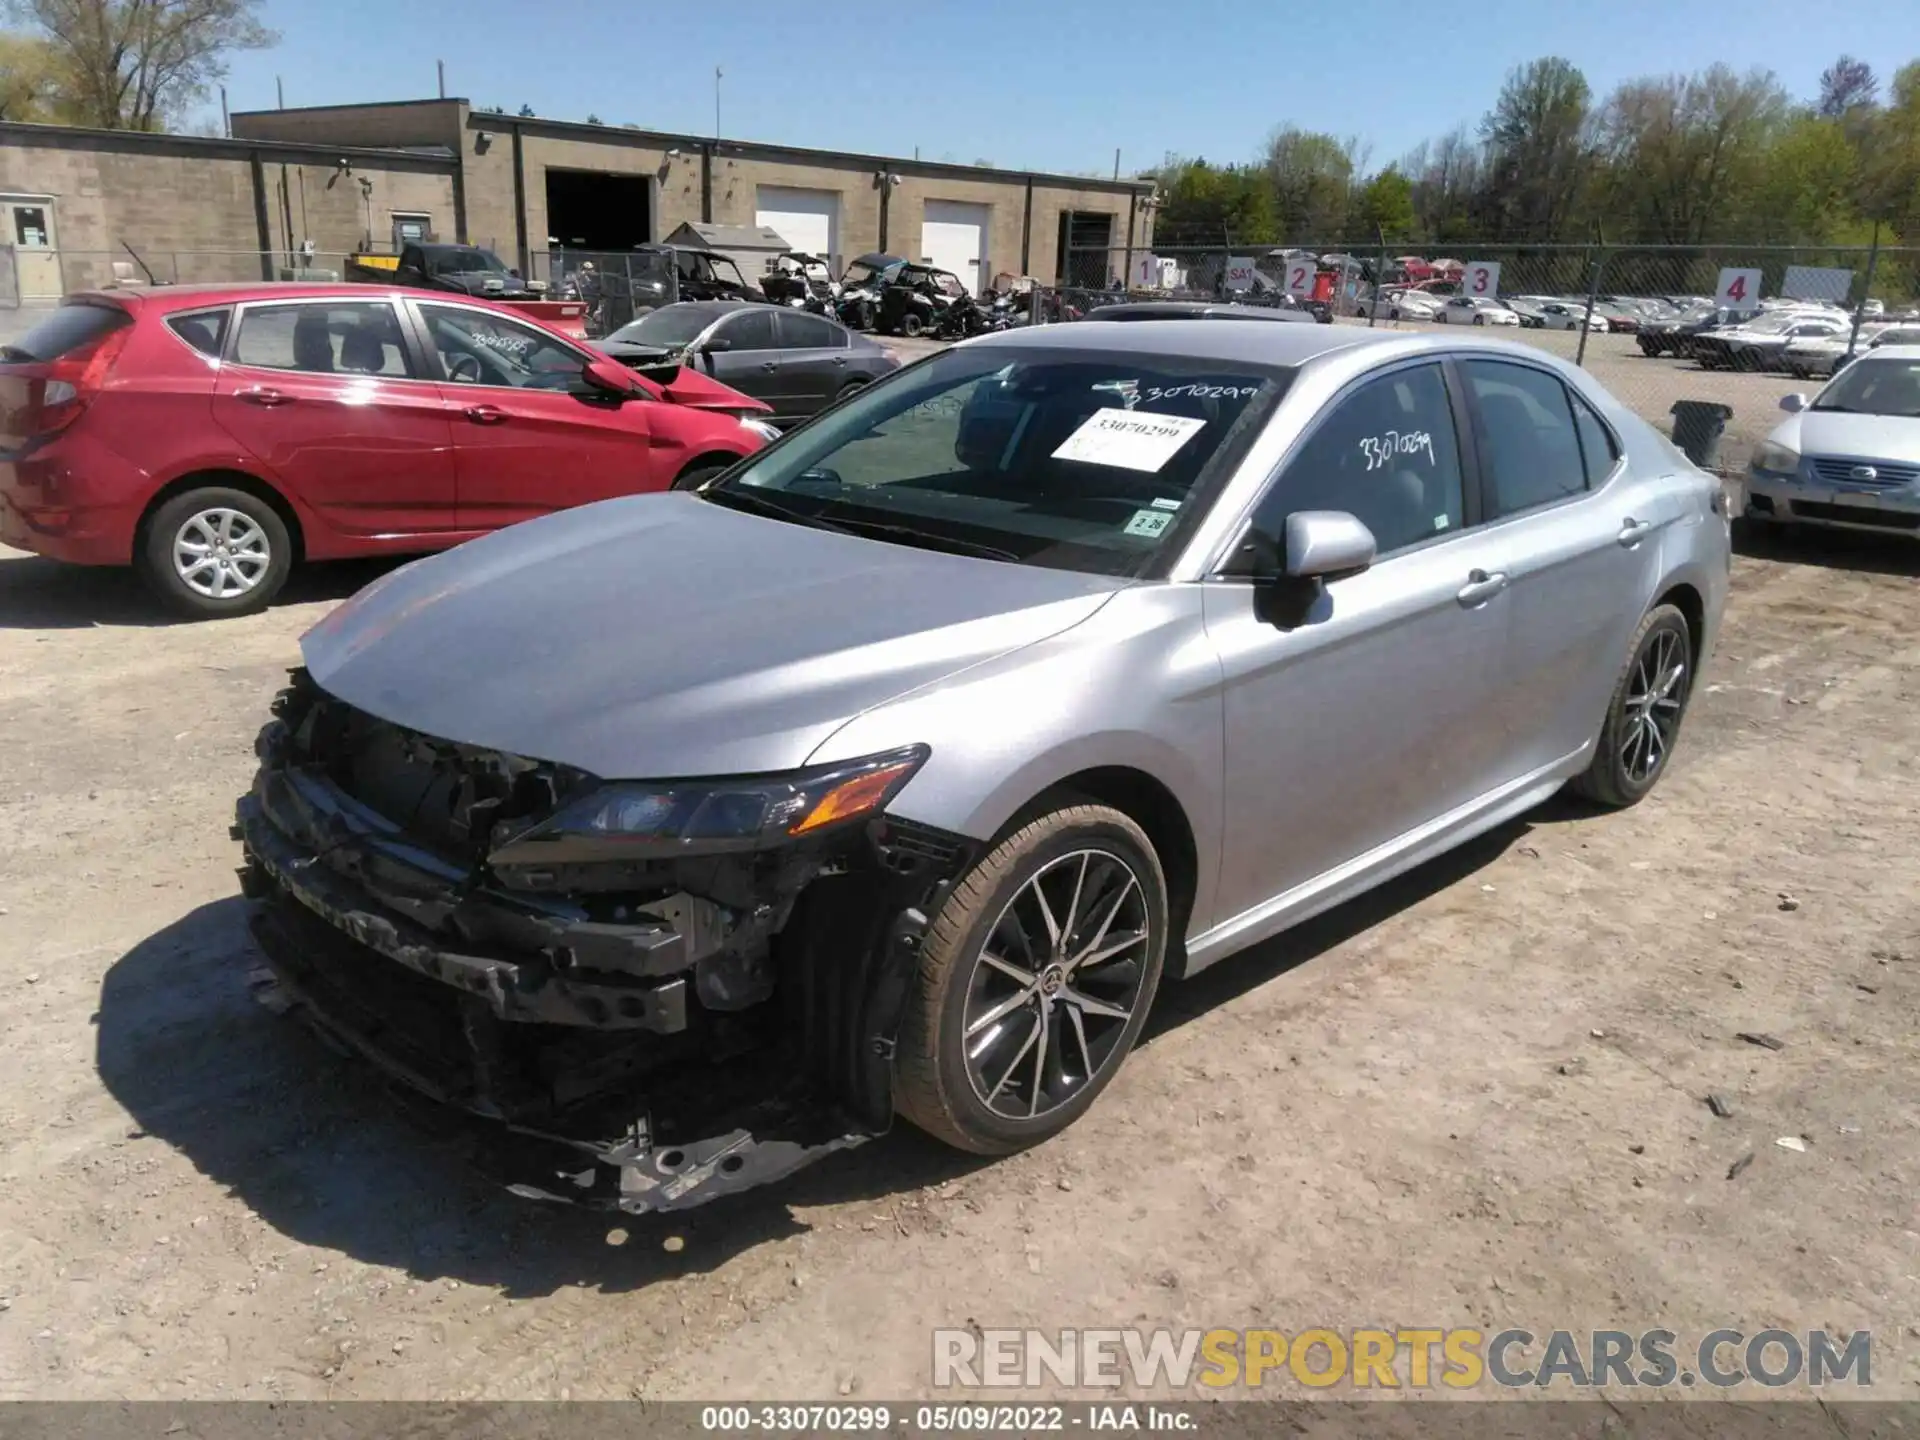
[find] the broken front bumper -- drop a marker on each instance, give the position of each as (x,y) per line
(582,1053)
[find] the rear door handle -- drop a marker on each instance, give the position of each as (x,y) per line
(485,414)
(1632,531)
(1481,587)
(263,395)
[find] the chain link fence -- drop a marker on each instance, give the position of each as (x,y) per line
(1656,325)
(617,285)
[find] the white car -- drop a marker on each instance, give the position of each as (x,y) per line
(1569,315)
(1810,355)
(1476,310)
(1404,305)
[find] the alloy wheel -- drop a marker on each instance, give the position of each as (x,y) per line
(221,553)
(1055,984)
(1651,706)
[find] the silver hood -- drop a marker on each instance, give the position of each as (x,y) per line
(663,635)
(1848,436)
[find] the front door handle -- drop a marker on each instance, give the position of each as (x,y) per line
(840,360)
(1481,587)
(1632,531)
(769,364)
(485,414)
(263,395)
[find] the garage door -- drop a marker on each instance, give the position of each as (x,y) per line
(953,236)
(808,220)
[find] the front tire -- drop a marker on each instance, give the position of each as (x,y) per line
(911,325)
(1034,982)
(694,476)
(1644,713)
(215,552)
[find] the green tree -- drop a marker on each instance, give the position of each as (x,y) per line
(139,64)
(34,86)
(1202,204)
(1539,151)
(1384,206)
(1311,177)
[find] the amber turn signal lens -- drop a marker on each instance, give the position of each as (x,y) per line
(852,797)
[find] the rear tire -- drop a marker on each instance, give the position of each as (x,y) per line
(1644,713)
(1056,1014)
(215,552)
(911,326)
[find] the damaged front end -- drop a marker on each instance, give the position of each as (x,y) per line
(647,995)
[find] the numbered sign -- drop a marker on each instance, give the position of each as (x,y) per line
(1481,279)
(1240,273)
(1145,274)
(1739,290)
(1300,277)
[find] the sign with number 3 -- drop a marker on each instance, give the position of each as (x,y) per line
(1481,278)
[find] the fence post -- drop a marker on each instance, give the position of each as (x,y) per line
(1379,279)
(1866,290)
(1593,294)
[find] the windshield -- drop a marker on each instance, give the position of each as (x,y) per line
(1073,460)
(669,327)
(1875,385)
(861,273)
(466,262)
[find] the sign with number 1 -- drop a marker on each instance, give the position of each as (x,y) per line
(1481,279)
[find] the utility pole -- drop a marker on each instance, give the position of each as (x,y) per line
(441,67)
(279,93)
(716,102)
(226,120)
(1116,162)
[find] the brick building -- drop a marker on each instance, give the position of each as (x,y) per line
(342,177)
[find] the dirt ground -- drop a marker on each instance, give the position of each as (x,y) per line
(1472,1099)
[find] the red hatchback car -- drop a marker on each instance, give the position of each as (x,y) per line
(212,436)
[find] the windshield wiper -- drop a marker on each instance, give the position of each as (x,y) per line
(932,539)
(746,499)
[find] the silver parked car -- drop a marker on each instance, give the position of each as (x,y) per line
(1852,457)
(694,836)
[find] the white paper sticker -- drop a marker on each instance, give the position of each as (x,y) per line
(1129,439)
(1148,523)
(1162,502)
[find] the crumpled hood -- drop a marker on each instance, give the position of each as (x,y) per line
(663,635)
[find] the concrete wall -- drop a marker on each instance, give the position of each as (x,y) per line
(301,207)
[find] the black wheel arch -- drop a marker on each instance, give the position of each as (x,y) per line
(232,480)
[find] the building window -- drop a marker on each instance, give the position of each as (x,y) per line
(411,228)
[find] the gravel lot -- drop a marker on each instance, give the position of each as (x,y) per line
(1475,1098)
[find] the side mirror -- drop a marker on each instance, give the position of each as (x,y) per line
(608,377)
(719,345)
(1326,544)
(1793,403)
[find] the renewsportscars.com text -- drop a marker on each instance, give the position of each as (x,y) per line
(1406,1358)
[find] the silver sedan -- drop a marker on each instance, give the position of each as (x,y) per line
(895,770)
(1851,458)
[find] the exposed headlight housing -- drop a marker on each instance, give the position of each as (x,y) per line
(1776,459)
(640,820)
(766,432)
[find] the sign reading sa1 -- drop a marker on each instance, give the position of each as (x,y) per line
(1240,273)
(1481,279)
(1300,278)
(1739,290)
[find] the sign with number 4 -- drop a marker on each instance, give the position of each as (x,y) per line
(1300,278)
(1481,279)
(1739,290)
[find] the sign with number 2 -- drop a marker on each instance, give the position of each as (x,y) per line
(1481,279)
(1300,277)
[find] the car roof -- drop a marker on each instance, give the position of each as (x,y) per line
(1896,352)
(187,297)
(1194,310)
(1197,339)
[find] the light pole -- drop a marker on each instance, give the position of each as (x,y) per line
(716,102)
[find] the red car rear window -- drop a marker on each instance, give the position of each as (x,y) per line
(65,331)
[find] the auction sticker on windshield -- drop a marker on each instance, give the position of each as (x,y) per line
(1129,439)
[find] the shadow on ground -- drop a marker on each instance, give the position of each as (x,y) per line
(316,1146)
(41,594)
(1891,554)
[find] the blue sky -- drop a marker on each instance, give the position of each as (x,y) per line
(1046,84)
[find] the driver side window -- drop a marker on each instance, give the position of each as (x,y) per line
(477,348)
(1387,454)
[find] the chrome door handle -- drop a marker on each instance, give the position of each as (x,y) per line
(1632,531)
(1481,587)
(840,360)
(263,395)
(485,415)
(769,364)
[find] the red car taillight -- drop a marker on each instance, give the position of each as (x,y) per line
(73,380)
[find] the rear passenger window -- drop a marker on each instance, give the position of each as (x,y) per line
(348,338)
(1597,448)
(1529,447)
(1386,454)
(204,330)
